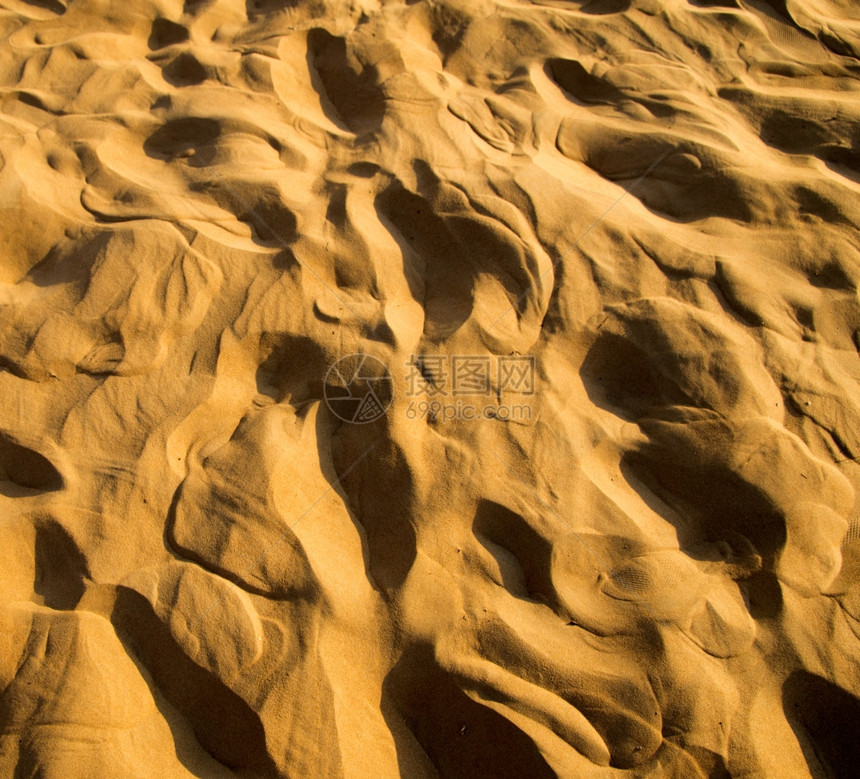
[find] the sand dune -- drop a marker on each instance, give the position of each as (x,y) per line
(430,388)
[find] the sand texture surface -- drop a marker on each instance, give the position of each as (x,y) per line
(430,388)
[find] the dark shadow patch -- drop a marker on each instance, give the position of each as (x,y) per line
(364,169)
(711,764)
(257,8)
(663,175)
(183,138)
(450,246)
(632,375)
(839,158)
(54,6)
(272,221)
(833,276)
(817,204)
(35,101)
(462,738)
(519,548)
(838,45)
(715,502)
(618,375)
(166,33)
(706,193)
(448,26)
(763,595)
(580,84)
(292,369)
(775,9)
(379,488)
(239,521)
(793,134)
(193,6)
(442,285)
(26,468)
(184,71)
(60,567)
(605,7)
(223,723)
(16,368)
(70,264)
(350,86)
(826,720)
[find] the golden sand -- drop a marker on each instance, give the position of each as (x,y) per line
(443,388)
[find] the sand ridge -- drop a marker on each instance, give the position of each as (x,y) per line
(640,556)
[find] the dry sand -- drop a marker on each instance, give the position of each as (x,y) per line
(629,227)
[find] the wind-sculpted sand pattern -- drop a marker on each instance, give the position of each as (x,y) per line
(651,569)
